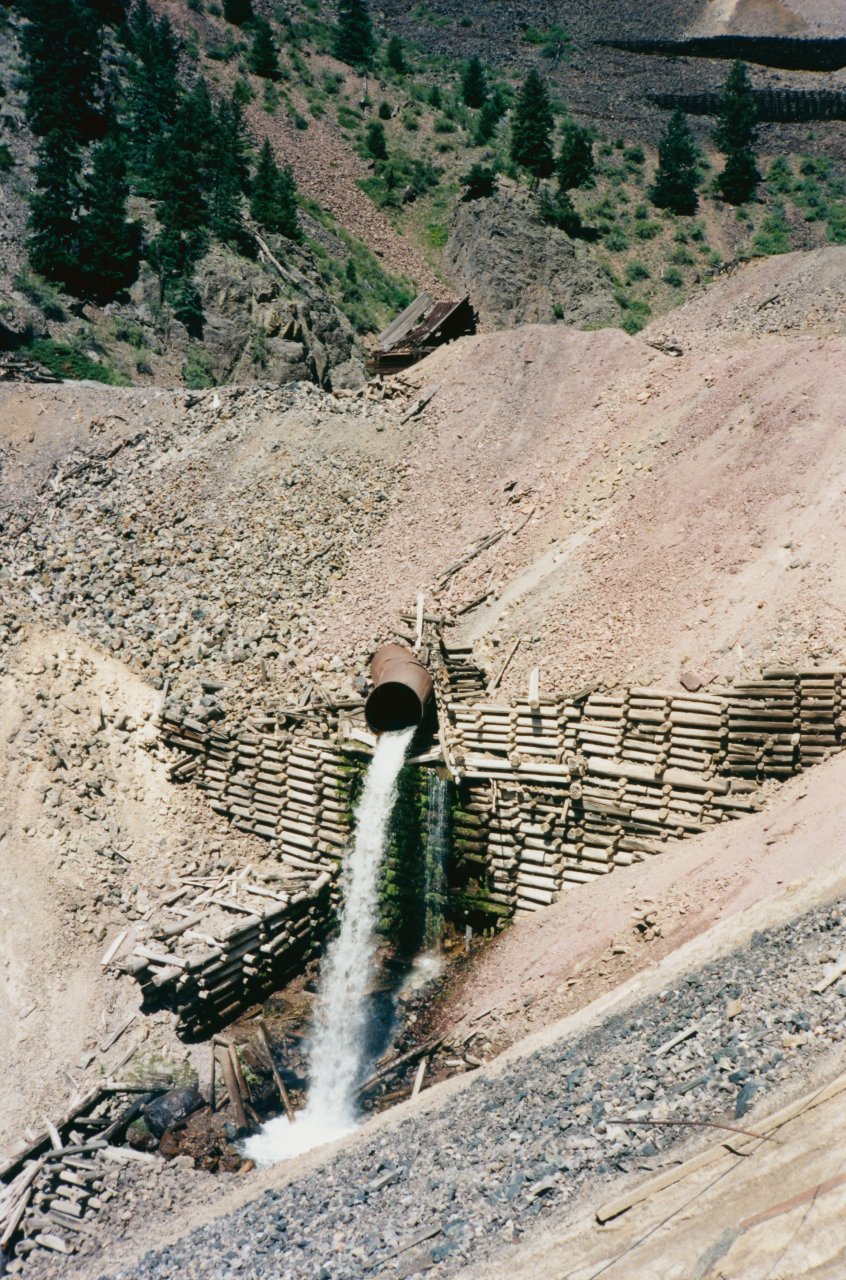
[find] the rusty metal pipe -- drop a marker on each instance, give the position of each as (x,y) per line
(402,690)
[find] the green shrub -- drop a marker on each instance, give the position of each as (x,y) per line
(442,125)
(384,112)
(636,270)
(774,236)
(41,294)
(647,230)
(348,118)
(437,235)
(682,257)
(69,362)
(197,369)
(673,278)
(634,157)
(837,224)
(616,240)
(7,160)
(780,177)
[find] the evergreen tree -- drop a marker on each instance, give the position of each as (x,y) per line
(375,142)
(531,129)
(287,210)
(153,93)
(575,164)
(474,83)
(735,135)
(479,182)
(108,243)
(354,39)
(61,48)
(264,58)
(227,173)
(676,177)
(395,56)
(238,11)
(489,117)
(273,196)
(53,242)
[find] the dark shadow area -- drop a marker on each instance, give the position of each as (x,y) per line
(786,52)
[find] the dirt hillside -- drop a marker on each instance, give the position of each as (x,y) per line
(659,512)
(664,511)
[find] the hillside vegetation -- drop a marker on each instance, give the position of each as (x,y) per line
(380,145)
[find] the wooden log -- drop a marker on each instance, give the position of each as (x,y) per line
(236,1101)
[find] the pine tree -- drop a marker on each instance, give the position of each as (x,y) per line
(395,56)
(474,83)
(676,177)
(489,117)
(287,209)
(531,128)
(238,11)
(53,243)
(154,93)
(375,142)
(227,173)
(354,39)
(108,243)
(575,163)
(183,177)
(61,46)
(273,196)
(736,135)
(264,58)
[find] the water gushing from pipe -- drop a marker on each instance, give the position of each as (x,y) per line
(337,1051)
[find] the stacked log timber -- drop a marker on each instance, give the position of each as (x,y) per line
(632,768)
(221,941)
(554,791)
(52,1188)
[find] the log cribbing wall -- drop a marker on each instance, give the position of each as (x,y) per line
(561,790)
(781,106)
(550,793)
(250,932)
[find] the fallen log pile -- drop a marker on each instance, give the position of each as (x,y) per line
(52,1188)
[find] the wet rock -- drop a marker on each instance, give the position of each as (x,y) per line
(172,1107)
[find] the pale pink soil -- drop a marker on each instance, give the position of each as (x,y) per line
(524,974)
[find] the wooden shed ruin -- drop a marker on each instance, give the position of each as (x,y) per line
(423,326)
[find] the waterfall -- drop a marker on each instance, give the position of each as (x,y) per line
(337,1048)
(436,854)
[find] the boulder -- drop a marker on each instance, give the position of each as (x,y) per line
(517,270)
(173,1107)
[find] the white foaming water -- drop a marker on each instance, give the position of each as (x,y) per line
(336,1056)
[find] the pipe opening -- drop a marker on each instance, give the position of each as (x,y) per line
(393,706)
(402,691)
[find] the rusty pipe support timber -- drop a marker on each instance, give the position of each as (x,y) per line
(402,693)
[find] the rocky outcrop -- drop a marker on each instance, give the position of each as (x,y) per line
(518,270)
(263,327)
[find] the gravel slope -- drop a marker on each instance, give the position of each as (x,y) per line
(517,1147)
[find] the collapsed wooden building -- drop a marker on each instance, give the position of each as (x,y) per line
(416,332)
